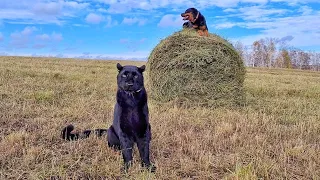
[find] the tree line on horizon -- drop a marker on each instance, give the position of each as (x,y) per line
(275,53)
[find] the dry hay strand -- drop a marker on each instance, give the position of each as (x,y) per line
(190,70)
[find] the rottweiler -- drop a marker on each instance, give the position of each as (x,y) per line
(195,20)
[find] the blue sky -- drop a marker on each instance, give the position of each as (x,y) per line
(130,29)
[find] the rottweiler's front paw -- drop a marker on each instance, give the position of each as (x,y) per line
(206,33)
(200,32)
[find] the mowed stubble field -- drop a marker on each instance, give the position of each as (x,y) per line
(275,136)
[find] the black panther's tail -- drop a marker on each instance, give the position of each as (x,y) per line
(67,134)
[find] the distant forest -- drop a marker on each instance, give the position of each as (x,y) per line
(272,52)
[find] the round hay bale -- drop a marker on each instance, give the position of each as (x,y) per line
(191,70)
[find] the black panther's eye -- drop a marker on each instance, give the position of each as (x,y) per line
(136,76)
(123,75)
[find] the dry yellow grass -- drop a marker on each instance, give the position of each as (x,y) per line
(276,136)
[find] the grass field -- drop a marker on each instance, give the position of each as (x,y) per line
(275,136)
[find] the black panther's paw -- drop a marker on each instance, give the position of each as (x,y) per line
(126,167)
(151,167)
(114,147)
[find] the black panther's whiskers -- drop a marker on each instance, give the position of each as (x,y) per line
(131,118)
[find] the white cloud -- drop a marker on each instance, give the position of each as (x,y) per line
(304,27)
(257,12)
(296,1)
(51,8)
(61,11)
(110,22)
(93,18)
(60,7)
(28,30)
(131,21)
(119,8)
(229,10)
(27,38)
(76,5)
(13,14)
(225,25)
(56,37)
(171,20)
(18,40)
(305,10)
(39,46)
(43,37)
(260,15)
(102,10)
(80,25)
(123,6)
(40,11)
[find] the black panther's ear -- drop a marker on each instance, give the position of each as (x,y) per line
(142,68)
(119,67)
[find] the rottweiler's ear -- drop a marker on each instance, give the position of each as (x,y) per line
(119,67)
(142,68)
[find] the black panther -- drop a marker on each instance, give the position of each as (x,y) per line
(131,118)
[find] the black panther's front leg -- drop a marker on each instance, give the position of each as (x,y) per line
(127,146)
(113,139)
(144,149)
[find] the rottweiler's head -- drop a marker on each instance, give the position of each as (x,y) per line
(190,14)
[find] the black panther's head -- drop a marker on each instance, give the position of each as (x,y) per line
(130,78)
